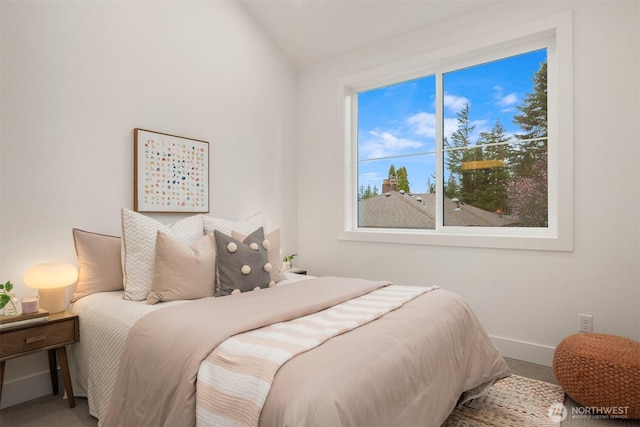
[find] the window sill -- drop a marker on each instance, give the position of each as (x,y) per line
(479,240)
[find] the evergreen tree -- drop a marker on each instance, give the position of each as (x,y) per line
(431,186)
(451,187)
(528,191)
(533,121)
(459,139)
(494,196)
(367,192)
(401,176)
(392,172)
(466,180)
(475,179)
(403,179)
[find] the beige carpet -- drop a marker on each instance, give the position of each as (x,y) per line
(512,401)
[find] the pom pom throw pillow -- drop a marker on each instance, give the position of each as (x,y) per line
(242,265)
(273,253)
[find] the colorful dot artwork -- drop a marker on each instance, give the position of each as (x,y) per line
(174,175)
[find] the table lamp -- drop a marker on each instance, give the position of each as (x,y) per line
(50,279)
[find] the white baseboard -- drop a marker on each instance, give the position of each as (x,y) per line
(522,350)
(29,387)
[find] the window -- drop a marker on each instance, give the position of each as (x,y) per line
(464,149)
(396,155)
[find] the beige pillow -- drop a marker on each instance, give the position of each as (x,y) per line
(99,266)
(180,271)
(273,253)
(138,248)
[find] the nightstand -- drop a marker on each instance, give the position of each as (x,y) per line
(297,271)
(51,335)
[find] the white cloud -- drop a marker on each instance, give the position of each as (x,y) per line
(505,100)
(423,124)
(371,178)
(455,103)
(384,144)
(508,100)
(478,127)
(450,126)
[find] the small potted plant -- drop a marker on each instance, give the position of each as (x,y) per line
(287,261)
(7,298)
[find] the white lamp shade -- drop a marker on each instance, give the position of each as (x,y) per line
(51,275)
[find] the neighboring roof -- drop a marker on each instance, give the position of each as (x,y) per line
(397,210)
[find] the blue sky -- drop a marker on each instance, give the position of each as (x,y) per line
(399,119)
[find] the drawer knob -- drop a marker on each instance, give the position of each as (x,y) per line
(37,338)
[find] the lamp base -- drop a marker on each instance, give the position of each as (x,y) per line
(52,300)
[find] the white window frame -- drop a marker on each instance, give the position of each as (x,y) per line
(553,33)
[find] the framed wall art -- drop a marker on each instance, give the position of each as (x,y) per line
(170,173)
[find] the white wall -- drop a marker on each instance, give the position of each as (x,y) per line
(78,77)
(1,109)
(527,300)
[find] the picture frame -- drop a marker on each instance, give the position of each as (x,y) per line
(170,173)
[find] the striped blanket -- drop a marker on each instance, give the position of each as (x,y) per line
(235,379)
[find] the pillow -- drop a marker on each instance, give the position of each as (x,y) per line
(245,226)
(99,267)
(181,271)
(242,266)
(273,253)
(139,246)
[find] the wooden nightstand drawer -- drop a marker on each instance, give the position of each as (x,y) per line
(51,334)
(36,338)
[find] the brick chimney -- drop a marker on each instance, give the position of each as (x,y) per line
(389,185)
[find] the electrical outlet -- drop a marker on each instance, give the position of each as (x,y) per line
(586,323)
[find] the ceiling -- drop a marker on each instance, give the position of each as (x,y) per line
(311,31)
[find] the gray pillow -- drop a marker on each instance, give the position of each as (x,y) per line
(242,265)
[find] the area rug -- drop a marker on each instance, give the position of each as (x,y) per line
(512,401)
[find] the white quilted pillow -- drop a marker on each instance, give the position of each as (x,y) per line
(245,226)
(139,246)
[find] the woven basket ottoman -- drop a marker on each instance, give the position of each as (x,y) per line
(600,371)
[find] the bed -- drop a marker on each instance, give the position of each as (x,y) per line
(409,364)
